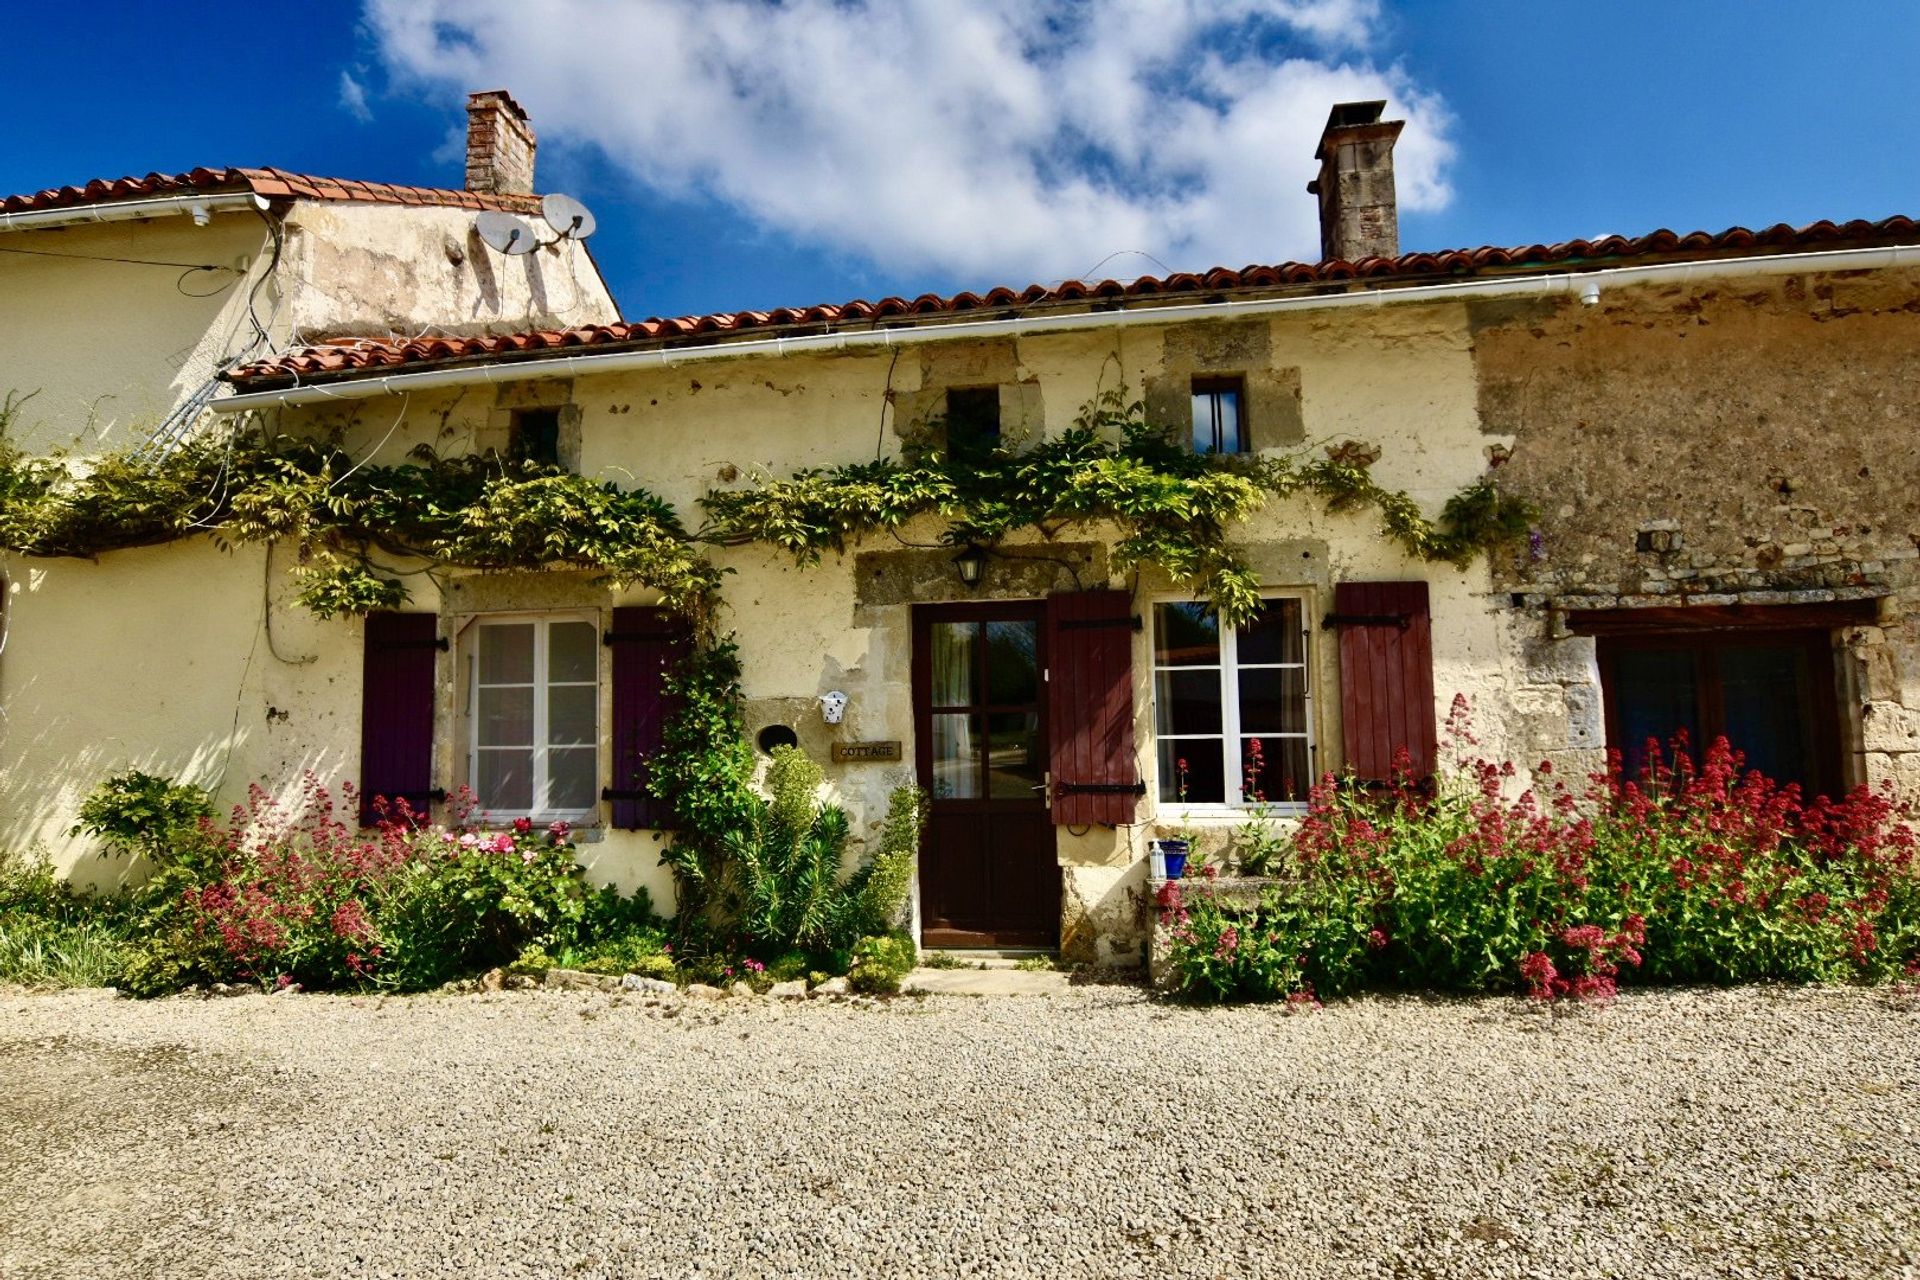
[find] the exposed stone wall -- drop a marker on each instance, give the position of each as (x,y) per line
(1739,443)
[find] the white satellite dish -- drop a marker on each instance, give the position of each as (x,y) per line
(567,216)
(505,233)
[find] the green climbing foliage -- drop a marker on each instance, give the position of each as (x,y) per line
(478,511)
(1174,507)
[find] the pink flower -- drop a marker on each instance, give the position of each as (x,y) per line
(523,825)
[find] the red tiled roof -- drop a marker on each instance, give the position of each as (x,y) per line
(353,355)
(273,184)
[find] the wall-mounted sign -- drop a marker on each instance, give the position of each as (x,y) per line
(865,752)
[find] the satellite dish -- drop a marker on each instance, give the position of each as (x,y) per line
(504,233)
(567,216)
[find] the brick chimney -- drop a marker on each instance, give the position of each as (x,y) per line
(1358,214)
(500,145)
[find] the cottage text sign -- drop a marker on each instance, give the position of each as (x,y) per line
(865,752)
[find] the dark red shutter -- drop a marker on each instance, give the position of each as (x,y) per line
(647,644)
(1096,777)
(396,711)
(1386,675)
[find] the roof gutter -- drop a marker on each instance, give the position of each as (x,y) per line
(200,208)
(1587,285)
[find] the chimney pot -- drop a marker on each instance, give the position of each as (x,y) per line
(1359,216)
(500,145)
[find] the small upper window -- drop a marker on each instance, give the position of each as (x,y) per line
(1219,425)
(536,436)
(973,422)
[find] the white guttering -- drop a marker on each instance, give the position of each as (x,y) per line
(200,208)
(570,366)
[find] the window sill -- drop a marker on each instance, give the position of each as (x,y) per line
(1227,815)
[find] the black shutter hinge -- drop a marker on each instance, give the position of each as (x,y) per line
(1100,788)
(622,637)
(624,793)
(1400,620)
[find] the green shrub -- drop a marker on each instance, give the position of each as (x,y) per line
(880,962)
(616,934)
(784,868)
(137,812)
(1688,874)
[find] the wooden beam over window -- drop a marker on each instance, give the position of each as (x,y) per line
(1731,617)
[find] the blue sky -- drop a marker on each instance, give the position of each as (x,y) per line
(739,156)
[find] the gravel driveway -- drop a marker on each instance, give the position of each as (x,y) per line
(1094,1133)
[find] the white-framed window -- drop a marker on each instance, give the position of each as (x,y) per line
(1232,706)
(533,715)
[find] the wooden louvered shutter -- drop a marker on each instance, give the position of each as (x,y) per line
(396,711)
(647,644)
(1096,777)
(1386,676)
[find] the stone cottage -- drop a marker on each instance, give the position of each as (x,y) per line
(1715,431)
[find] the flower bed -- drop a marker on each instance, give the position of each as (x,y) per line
(1690,873)
(280,895)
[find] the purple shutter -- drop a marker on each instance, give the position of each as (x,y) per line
(1386,676)
(396,711)
(647,644)
(1096,777)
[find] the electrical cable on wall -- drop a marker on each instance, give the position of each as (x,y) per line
(886,403)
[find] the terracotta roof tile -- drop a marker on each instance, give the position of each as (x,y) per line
(355,355)
(273,184)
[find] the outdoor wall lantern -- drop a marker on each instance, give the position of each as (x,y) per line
(971,563)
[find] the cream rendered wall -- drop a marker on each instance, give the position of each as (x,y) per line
(1400,378)
(110,347)
(158,659)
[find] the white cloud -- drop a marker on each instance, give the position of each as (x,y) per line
(353,98)
(1003,140)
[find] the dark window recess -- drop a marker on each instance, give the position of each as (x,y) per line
(536,436)
(1770,694)
(1219,415)
(973,422)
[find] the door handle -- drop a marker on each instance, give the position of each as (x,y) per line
(1046,785)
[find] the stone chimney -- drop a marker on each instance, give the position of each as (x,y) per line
(499,145)
(1358,215)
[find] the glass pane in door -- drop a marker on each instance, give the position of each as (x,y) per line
(1014,759)
(1013,663)
(956,756)
(953,665)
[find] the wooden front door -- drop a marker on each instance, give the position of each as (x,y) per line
(988,872)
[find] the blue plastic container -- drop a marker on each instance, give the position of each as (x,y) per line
(1174,854)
